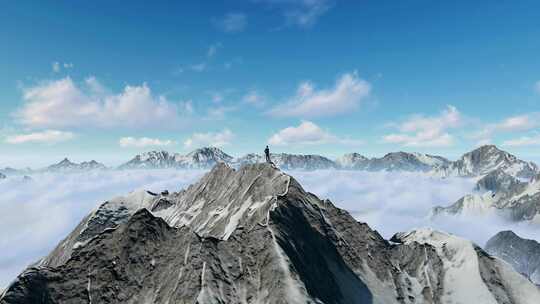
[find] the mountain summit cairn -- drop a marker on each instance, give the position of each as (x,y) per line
(254,235)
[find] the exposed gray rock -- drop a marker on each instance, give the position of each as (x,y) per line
(251,235)
(499,181)
(486,159)
(522,254)
(506,196)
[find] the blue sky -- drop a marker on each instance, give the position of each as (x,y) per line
(107,79)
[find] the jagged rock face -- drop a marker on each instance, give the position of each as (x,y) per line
(66,166)
(522,254)
(253,235)
(498,181)
(486,159)
(151,160)
(507,197)
(203,158)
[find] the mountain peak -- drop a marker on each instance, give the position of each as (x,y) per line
(254,235)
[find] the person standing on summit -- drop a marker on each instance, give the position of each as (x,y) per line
(267,155)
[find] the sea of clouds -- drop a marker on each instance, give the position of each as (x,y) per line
(38,213)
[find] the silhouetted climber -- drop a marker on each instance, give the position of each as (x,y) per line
(267,154)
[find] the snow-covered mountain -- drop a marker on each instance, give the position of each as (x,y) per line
(352,161)
(203,158)
(394,161)
(506,196)
(151,160)
(486,159)
(68,166)
(522,254)
(254,235)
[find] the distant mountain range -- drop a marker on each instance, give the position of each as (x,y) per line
(500,194)
(478,162)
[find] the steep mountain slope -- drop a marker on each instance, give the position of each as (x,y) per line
(253,235)
(486,159)
(151,160)
(203,158)
(522,254)
(506,196)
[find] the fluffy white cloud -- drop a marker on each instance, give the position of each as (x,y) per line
(47,137)
(511,124)
(426,131)
(517,123)
(142,142)
(232,22)
(217,139)
(307,133)
(344,97)
(523,141)
(63,103)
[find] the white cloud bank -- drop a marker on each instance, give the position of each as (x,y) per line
(213,139)
(46,137)
(427,131)
(307,133)
(63,103)
(392,202)
(347,94)
(143,142)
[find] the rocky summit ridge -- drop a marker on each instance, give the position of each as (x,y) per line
(254,235)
